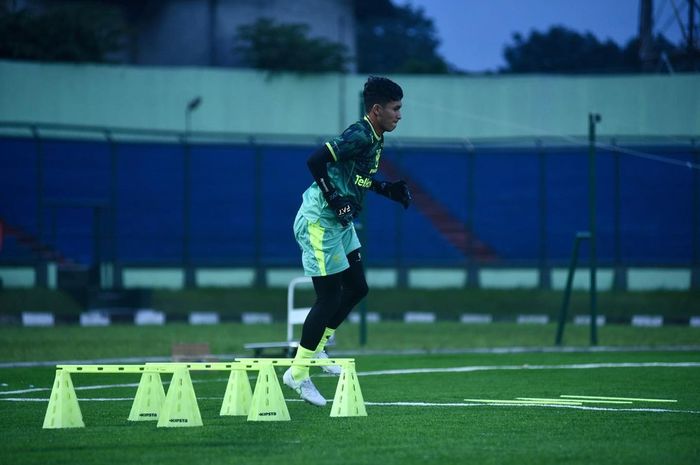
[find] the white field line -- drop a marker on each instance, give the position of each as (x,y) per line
(365,352)
(415,404)
(410,371)
(496,404)
(102,386)
(577,366)
(93,399)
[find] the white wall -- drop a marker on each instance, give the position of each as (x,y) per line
(247,101)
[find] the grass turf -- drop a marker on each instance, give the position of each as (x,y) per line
(391,303)
(391,434)
(73,342)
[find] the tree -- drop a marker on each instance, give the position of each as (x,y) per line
(561,50)
(396,39)
(287,47)
(83,32)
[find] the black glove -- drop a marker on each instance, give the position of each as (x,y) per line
(396,191)
(344,210)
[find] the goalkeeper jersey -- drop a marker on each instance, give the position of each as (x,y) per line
(356,154)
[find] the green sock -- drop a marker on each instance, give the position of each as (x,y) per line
(300,372)
(327,334)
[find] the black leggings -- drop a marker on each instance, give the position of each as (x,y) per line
(336,295)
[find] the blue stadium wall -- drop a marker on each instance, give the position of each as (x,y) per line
(523,205)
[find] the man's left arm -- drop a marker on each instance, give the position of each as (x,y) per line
(397,191)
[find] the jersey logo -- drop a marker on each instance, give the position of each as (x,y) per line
(362,181)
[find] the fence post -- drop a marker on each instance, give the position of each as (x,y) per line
(580,236)
(40,268)
(472,266)
(545,278)
(260,280)
(695,266)
(619,275)
(116,282)
(593,119)
(189,278)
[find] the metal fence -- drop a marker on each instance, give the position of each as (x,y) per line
(83,196)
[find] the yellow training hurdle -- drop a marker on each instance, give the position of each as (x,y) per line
(179,408)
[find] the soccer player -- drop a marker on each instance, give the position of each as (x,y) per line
(343,170)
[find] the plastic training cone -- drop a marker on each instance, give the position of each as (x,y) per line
(238,394)
(63,410)
(268,401)
(348,400)
(149,399)
(180,407)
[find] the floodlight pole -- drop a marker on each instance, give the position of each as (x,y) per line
(192,105)
(189,277)
(593,119)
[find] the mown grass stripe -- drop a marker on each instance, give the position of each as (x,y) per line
(630,399)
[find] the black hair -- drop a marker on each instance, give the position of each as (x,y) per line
(380,90)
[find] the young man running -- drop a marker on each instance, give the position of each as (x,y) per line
(343,170)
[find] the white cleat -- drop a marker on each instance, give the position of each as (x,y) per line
(305,388)
(330,369)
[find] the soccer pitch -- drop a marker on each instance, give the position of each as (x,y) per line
(415,400)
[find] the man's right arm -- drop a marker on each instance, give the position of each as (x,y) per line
(317,163)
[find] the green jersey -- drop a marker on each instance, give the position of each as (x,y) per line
(356,153)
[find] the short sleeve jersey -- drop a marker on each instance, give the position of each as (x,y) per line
(356,153)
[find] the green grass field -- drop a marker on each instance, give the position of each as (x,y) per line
(448,304)
(415,401)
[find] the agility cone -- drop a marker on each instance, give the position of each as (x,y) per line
(348,401)
(63,410)
(149,399)
(268,401)
(180,407)
(238,394)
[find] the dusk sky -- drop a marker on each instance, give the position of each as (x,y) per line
(474,32)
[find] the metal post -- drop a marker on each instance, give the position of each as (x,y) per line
(260,280)
(593,118)
(95,278)
(619,275)
(186,206)
(580,236)
(363,236)
(472,266)
(696,218)
(116,282)
(545,278)
(401,266)
(192,105)
(40,269)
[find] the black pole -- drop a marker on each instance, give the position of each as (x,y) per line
(116,281)
(692,51)
(696,217)
(260,279)
(472,269)
(186,200)
(593,119)
(619,278)
(40,269)
(580,236)
(545,278)
(188,270)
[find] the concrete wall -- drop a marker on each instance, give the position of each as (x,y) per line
(436,107)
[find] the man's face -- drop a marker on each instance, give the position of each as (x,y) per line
(388,116)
